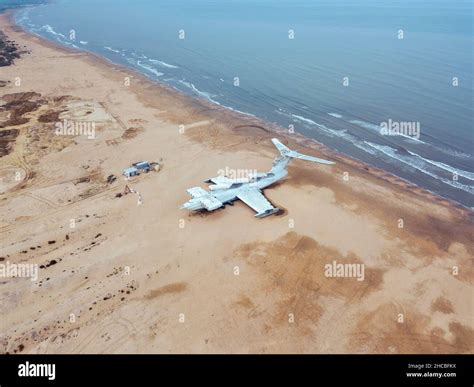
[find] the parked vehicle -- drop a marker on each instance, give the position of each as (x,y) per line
(139,167)
(142,166)
(129,172)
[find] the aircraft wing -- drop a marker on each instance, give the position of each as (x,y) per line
(254,198)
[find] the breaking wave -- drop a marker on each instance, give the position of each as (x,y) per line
(112,49)
(149,68)
(163,64)
(210,97)
(376,128)
(330,132)
(460,172)
(51,30)
(366,125)
(204,94)
(419,163)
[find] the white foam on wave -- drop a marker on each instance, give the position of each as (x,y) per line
(323,128)
(204,94)
(419,163)
(139,56)
(410,138)
(376,128)
(150,69)
(51,30)
(70,44)
(236,110)
(460,172)
(343,134)
(210,97)
(163,64)
(451,152)
(111,49)
(23,17)
(304,119)
(366,125)
(335,115)
(365,147)
(84,43)
(413,160)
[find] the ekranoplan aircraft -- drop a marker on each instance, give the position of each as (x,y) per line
(226,190)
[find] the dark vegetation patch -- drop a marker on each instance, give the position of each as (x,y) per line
(9,51)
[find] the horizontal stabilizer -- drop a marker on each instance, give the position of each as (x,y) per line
(287,152)
(208,201)
(301,156)
(197,192)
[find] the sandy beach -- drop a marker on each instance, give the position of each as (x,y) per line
(117,277)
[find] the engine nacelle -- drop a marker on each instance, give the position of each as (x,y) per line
(215,187)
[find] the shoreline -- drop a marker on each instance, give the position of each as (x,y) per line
(128,270)
(375,171)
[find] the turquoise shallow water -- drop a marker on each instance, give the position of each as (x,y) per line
(345,72)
